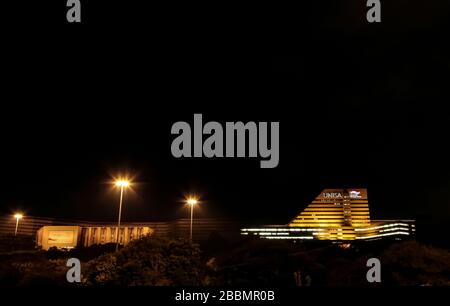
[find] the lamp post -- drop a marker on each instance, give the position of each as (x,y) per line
(191,202)
(122,184)
(18,217)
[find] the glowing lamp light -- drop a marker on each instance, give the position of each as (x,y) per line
(18,217)
(122,183)
(191,201)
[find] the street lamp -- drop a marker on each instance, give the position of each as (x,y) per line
(121,184)
(18,217)
(191,202)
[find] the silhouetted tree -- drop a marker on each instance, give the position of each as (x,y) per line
(148,261)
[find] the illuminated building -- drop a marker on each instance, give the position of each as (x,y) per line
(70,236)
(336,214)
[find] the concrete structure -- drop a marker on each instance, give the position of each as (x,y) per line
(336,214)
(71,236)
(58,236)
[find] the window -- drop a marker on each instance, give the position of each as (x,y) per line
(103,235)
(113,234)
(130,233)
(93,234)
(122,235)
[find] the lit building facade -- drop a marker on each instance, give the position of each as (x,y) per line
(68,237)
(336,214)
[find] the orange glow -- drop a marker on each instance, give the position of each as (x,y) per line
(191,201)
(122,183)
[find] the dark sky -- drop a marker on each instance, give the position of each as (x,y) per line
(359,105)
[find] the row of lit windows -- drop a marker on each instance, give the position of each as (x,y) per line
(289,237)
(331,214)
(346,233)
(339,203)
(280,229)
(334,204)
(383,235)
(329,224)
(326,220)
(272,234)
(300,220)
(341,233)
(382,226)
(390,230)
(393,229)
(333,209)
(364,200)
(113,233)
(333,225)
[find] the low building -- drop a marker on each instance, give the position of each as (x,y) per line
(68,237)
(336,214)
(58,236)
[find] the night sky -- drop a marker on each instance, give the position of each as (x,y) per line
(359,105)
